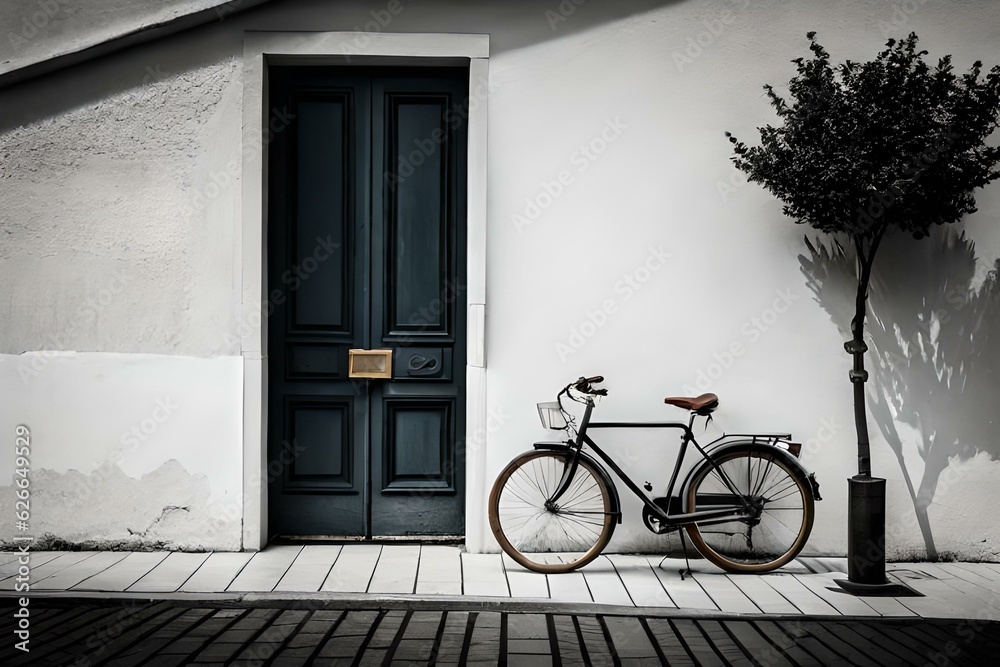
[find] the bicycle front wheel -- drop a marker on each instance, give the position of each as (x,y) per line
(782,516)
(550,537)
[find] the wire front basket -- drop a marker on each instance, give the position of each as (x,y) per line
(552,416)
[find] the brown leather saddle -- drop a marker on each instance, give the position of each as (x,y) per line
(702,405)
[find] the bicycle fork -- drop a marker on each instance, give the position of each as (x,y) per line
(569,472)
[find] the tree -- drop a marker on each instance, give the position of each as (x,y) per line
(863,149)
(934,345)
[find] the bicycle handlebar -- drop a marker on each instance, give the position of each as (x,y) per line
(583,385)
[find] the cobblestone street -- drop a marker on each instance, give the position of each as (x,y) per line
(76,632)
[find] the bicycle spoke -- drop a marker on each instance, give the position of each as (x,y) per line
(577,495)
(521,498)
(771,533)
(763,478)
(580,522)
(792,491)
(575,524)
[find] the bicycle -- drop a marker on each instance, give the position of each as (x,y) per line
(554,509)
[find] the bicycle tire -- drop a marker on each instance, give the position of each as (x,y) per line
(789,519)
(517,501)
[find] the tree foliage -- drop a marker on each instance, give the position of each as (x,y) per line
(890,143)
(865,148)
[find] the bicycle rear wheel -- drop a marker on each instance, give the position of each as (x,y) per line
(545,537)
(783,516)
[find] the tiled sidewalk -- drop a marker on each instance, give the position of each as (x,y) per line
(805,587)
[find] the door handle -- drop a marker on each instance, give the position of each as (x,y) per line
(420,365)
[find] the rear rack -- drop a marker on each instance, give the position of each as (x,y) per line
(780,440)
(756,436)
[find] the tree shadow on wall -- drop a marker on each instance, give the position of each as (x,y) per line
(934,341)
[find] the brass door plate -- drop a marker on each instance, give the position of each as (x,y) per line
(370,364)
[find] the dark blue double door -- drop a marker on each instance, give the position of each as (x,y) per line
(366,250)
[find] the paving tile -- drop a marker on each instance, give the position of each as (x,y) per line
(527,626)
(485,644)
(440,570)
(629,637)
(78,572)
(757,645)
(526,585)
(784,644)
(763,596)
(453,637)
(795,592)
(594,642)
(309,569)
(723,644)
(483,574)
(567,640)
(686,593)
(605,585)
(11,562)
(824,587)
(847,650)
(341,647)
(134,623)
(122,574)
(941,601)
(216,573)
(697,642)
(152,644)
(423,625)
(387,629)
(265,569)
(353,570)
(642,584)
(876,650)
(396,571)
(304,640)
(726,595)
(170,574)
(411,650)
(220,651)
(41,572)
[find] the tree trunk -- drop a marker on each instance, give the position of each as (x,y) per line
(856,346)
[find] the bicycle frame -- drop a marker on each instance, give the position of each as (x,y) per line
(668,519)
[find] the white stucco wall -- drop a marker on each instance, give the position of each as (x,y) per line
(126,450)
(647,265)
(37,30)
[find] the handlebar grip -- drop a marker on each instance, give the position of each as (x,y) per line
(584,385)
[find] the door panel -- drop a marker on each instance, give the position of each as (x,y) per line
(366,246)
(322,301)
(325,460)
(419,445)
(317,262)
(419,307)
(417,226)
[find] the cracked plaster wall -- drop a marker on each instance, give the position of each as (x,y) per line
(127,450)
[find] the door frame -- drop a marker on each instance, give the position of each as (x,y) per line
(340,48)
